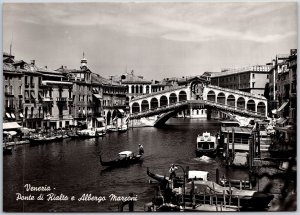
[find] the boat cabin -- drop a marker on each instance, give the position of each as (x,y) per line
(125,154)
(197,175)
(206,141)
(237,136)
(230,124)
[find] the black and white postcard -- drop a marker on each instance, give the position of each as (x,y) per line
(149,106)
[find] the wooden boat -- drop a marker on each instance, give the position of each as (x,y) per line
(206,145)
(42,139)
(123,128)
(125,158)
(177,181)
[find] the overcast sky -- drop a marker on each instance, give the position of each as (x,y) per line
(156,40)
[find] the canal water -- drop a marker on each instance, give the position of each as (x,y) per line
(72,167)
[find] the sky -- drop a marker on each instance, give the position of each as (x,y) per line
(156,40)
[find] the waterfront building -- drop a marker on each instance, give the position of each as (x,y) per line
(113,97)
(251,79)
(136,84)
(13,90)
(287,87)
(96,101)
(278,64)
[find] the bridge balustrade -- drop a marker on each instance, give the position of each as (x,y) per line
(237,92)
(158,93)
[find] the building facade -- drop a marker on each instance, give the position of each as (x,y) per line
(252,79)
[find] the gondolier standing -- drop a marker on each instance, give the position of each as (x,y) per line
(141,149)
(172,171)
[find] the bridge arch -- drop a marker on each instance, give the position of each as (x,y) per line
(211,96)
(221,98)
(251,105)
(172,98)
(231,100)
(182,96)
(145,105)
(241,103)
(261,108)
(153,103)
(163,101)
(135,107)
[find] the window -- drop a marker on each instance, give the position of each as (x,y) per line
(253,75)
(267,76)
(253,83)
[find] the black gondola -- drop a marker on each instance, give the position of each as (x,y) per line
(125,158)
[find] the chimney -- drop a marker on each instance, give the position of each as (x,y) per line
(32,62)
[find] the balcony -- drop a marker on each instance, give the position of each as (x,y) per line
(61,99)
(9,93)
(10,108)
(48,99)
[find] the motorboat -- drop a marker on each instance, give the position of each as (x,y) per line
(206,145)
(125,158)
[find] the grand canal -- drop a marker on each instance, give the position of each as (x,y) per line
(72,167)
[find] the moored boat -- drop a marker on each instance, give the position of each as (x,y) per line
(206,145)
(7,150)
(125,158)
(45,139)
(241,198)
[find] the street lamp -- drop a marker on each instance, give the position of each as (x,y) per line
(183,184)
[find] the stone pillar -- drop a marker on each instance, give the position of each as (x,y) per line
(255,106)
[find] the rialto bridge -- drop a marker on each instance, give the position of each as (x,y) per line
(167,103)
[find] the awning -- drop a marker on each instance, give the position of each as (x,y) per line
(13,116)
(10,125)
(98,96)
(100,119)
(281,121)
(121,111)
(21,115)
(32,95)
(8,115)
(12,133)
(282,106)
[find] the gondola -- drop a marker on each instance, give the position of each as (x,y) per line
(42,140)
(125,158)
